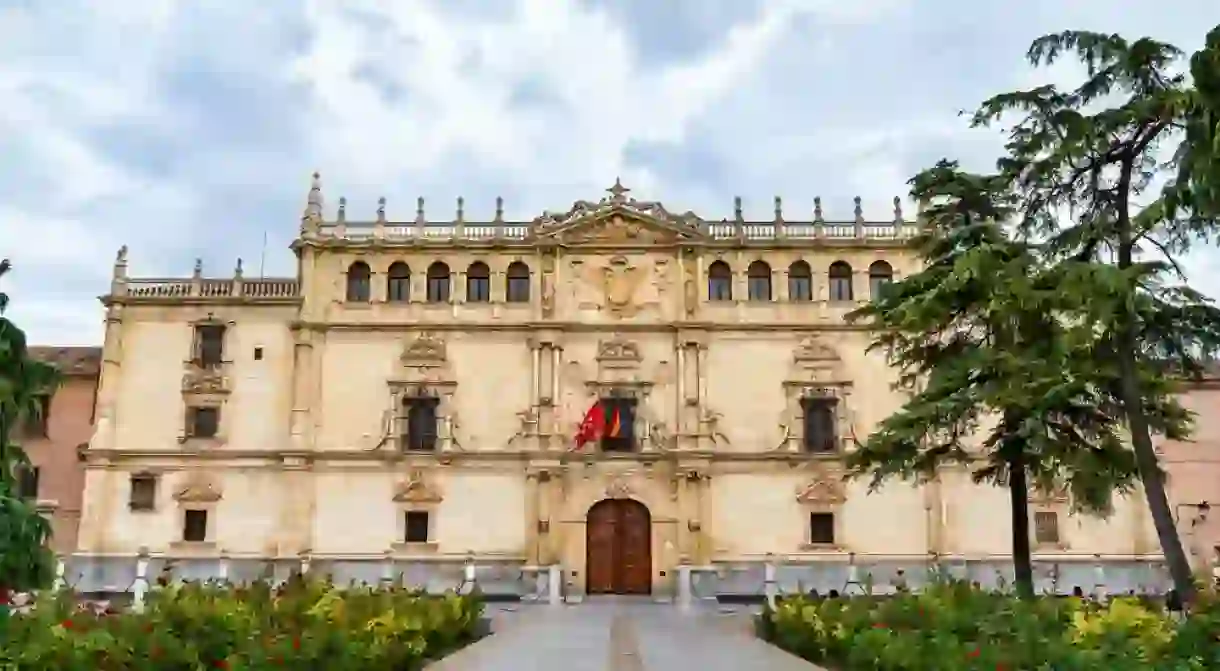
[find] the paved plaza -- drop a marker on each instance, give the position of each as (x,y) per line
(619,634)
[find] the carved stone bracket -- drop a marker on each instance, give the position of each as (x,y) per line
(205,381)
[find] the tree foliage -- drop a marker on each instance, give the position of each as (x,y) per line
(986,340)
(25,561)
(1086,164)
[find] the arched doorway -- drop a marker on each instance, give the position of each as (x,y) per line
(618,546)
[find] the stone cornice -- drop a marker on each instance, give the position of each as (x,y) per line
(519,245)
(581,327)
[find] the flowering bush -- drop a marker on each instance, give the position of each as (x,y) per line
(303,625)
(952,627)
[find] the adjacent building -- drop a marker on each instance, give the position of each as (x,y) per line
(410,400)
(1193,470)
(55,441)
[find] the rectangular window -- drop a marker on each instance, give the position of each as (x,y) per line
(518,289)
(822,528)
(416,526)
(143,495)
(210,340)
(195,526)
(821,434)
(38,425)
(620,424)
(1046,527)
(800,288)
(420,427)
(27,482)
(478,289)
(438,289)
(203,422)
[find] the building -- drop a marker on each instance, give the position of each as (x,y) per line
(1193,470)
(54,441)
(410,400)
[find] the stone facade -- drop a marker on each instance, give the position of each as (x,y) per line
(1193,470)
(725,341)
(54,444)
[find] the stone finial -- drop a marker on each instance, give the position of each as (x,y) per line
(779,209)
(381,209)
(499,209)
(461,209)
(817,209)
(737,216)
(897,210)
(198,272)
(859,209)
(313,204)
(419,211)
(237,269)
(342,209)
(120,266)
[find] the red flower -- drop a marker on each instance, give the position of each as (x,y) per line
(221,664)
(973,654)
(6,597)
(66,624)
(878,625)
(296,644)
(148,628)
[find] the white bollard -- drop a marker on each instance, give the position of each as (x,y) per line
(1099,579)
(60,568)
(769,583)
(140,587)
(305,564)
(554,585)
(685,591)
(222,569)
(468,576)
(387,569)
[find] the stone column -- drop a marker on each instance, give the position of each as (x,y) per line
(532,540)
(682,484)
(303,384)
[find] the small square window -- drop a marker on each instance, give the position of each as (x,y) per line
(203,422)
(258,353)
(822,528)
(27,482)
(143,495)
(416,526)
(1046,527)
(195,526)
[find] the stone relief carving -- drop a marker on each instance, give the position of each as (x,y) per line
(425,350)
(618,352)
(204,381)
(416,489)
(617,281)
(709,425)
(618,205)
(618,488)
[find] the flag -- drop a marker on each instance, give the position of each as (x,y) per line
(593,426)
(615,427)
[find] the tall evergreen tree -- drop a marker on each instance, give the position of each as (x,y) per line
(981,342)
(1085,162)
(25,560)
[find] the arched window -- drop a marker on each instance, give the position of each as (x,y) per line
(758,281)
(800,282)
(438,283)
(358,278)
(478,283)
(840,281)
(719,282)
(398,283)
(880,274)
(518,288)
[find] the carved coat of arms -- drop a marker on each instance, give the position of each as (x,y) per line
(618,281)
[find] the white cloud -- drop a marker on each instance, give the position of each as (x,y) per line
(189,130)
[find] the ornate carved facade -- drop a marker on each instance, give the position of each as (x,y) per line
(419,388)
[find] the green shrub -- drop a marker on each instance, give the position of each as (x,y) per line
(304,625)
(954,627)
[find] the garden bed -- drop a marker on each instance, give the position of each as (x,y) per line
(953,626)
(302,625)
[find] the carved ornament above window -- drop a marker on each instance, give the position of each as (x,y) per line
(205,381)
(198,489)
(416,489)
(618,352)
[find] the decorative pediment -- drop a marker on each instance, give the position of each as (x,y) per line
(618,219)
(1056,495)
(822,490)
(416,489)
(816,361)
(198,488)
(618,352)
(425,350)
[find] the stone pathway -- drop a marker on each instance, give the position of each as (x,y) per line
(618,635)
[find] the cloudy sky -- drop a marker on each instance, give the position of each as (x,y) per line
(189,129)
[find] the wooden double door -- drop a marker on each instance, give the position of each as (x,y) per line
(619,548)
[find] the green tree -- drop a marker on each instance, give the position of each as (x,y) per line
(981,342)
(1085,163)
(25,561)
